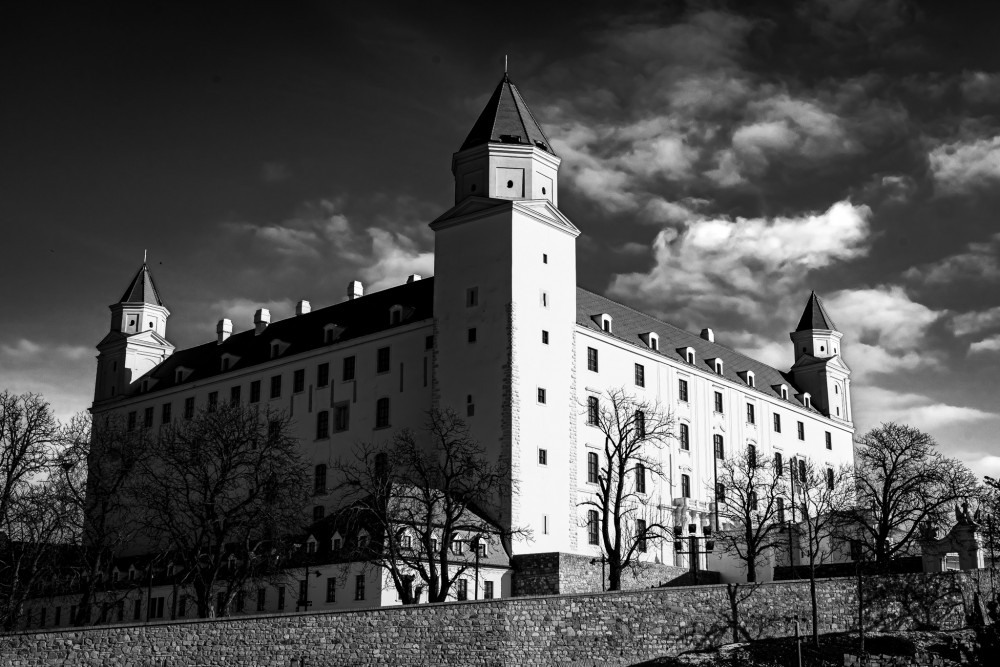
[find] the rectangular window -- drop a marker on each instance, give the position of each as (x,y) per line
(778,466)
(235,394)
(685,486)
(220,603)
(487,590)
(592,467)
(429,342)
(640,533)
(41,617)
(682,390)
(801,428)
(261,598)
(165,413)
(276,386)
(781,509)
(471,335)
(303,592)
(591,359)
(752,500)
(463,589)
(359,587)
(130,425)
(829,478)
(592,527)
(751,456)
(331,589)
(720,493)
(281,598)
(137,610)
(189,407)
(719,446)
(241,601)
(471,297)
(751,414)
(802,469)
(382,360)
(545,300)
(156,607)
(640,424)
(323,375)
(545,341)
(593,410)
(685,437)
(718,401)
(829,440)
(543,456)
(299,380)
(255,391)
(640,478)
(541,395)
(341,416)
(147,417)
(348,370)
(213,401)
(382,413)
(322,424)
(777,423)
(640,375)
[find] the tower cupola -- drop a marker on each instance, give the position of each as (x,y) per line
(816,335)
(819,369)
(506,155)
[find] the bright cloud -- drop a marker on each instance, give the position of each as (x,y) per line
(989,345)
(873,405)
(963,166)
(976,321)
(980,261)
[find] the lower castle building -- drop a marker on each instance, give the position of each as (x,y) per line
(503,335)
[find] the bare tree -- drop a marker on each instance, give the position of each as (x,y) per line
(634,430)
(29,506)
(98,468)
(421,499)
(903,483)
(753,493)
(821,495)
(221,491)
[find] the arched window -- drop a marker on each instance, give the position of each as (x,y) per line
(319,481)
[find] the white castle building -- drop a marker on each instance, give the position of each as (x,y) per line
(503,335)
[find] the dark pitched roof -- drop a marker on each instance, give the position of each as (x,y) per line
(353,319)
(814,316)
(628,324)
(506,119)
(142,289)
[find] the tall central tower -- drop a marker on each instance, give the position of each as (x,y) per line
(505,310)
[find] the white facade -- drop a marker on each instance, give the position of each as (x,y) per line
(502,322)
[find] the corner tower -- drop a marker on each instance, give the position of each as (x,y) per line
(137,340)
(819,368)
(505,312)
(506,155)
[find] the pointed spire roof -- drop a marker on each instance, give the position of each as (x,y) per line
(506,119)
(815,316)
(142,289)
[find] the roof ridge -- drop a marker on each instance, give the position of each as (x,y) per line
(548,144)
(683,331)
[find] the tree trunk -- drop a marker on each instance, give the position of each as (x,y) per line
(732,591)
(815,606)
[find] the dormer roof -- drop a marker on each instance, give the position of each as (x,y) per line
(815,316)
(142,289)
(506,119)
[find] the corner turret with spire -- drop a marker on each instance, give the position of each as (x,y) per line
(506,154)
(819,368)
(137,339)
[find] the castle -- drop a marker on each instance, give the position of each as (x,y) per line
(502,334)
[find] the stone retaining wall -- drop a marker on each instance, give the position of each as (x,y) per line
(561,573)
(620,628)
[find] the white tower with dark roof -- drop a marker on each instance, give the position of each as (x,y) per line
(819,368)
(137,341)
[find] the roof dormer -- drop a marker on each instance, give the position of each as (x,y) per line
(687,354)
(748,377)
(782,390)
(278,348)
(182,373)
(651,339)
(604,321)
(227,361)
(395,314)
(806,399)
(331,332)
(716,364)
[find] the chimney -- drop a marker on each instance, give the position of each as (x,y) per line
(413,277)
(355,289)
(224,329)
(708,335)
(260,320)
(302,307)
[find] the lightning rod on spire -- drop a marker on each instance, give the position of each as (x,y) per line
(505,63)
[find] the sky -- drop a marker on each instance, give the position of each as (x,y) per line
(721,159)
